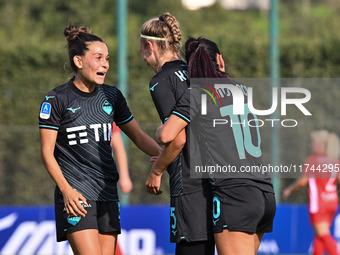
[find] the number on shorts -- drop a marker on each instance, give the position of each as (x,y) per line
(172,214)
(216,209)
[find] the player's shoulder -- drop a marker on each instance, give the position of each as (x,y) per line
(110,90)
(58,91)
(108,87)
(174,68)
(170,69)
(176,64)
(112,93)
(172,72)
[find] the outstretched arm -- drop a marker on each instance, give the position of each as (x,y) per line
(140,139)
(299,183)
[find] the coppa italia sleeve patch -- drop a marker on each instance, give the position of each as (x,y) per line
(45,111)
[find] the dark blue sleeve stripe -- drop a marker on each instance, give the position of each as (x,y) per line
(181,116)
(49,127)
(127,120)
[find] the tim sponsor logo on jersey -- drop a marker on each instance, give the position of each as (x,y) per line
(79,134)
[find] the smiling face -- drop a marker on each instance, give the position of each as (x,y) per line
(93,66)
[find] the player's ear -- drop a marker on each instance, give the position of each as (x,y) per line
(78,61)
(150,46)
(220,62)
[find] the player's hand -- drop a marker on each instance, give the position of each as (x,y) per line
(286,193)
(125,184)
(73,203)
(153,183)
(154,158)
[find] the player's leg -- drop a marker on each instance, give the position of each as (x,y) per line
(241,215)
(81,232)
(321,228)
(323,235)
(324,241)
(240,242)
(265,225)
(85,242)
(235,220)
(234,242)
(108,225)
(190,223)
(108,242)
(318,248)
(257,240)
(197,248)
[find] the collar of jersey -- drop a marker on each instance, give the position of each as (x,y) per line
(173,62)
(82,93)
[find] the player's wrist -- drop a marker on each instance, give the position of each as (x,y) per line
(157,171)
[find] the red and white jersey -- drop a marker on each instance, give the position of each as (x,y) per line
(322,188)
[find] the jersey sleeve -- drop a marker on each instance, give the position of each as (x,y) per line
(50,112)
(122,113)
(182,108)
(163,97)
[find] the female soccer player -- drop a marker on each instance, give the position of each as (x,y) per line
(191,210)
(322,188)
(75,129)
(244,204)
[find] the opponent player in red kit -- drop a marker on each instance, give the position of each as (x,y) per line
(321,171)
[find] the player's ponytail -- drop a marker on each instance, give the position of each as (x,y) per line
(175,35)
(77,39)
(201,56)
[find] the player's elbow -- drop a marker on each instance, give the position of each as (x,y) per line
(166,134)
(43,157)
(164,138)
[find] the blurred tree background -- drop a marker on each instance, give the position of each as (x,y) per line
(34,60)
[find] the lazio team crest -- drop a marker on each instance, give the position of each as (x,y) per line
(107,107)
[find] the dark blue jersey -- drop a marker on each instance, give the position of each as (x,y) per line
(166,88)
(84,125)
(229,145)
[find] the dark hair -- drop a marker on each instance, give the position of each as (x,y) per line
(165,26)
(200,55)
(77,39)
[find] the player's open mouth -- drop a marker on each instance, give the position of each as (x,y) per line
(101,74)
